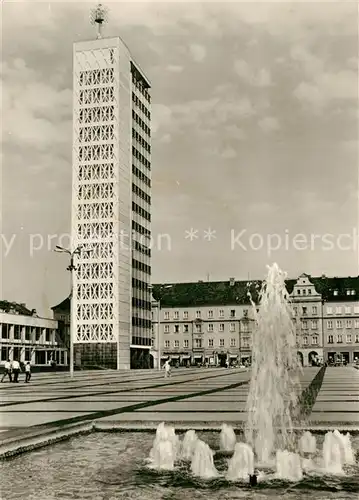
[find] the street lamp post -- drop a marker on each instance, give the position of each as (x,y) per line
(71,268)
(158,301)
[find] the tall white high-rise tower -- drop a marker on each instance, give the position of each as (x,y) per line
(111,204)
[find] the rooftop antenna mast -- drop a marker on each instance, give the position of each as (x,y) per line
(98,17)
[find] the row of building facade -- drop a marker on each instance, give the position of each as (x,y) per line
(26,337)
(212,323)
(204,322)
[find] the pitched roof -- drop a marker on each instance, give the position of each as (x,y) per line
(216,293)
(63,306)
(212,293)
(14,307)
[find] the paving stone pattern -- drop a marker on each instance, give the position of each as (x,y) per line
(190,395)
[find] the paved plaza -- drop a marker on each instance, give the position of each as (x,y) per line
(190,396)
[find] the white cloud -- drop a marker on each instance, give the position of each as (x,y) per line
(174,68)
(35,114)
(269,124)
(235,132)
(198,52)
(228,153)
(261,78)
(328,86)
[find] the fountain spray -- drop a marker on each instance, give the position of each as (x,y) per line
(274,384)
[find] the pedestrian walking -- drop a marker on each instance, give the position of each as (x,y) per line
(16,370)
(7,370)
(167,368)
(27,372)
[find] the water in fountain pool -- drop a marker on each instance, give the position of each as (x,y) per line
(114,465)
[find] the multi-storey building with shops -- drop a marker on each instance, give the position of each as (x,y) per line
(213,321)
(25,337)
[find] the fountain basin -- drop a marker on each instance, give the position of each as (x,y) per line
(105,465)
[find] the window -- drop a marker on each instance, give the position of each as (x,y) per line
(210,327)
(348,323)
(28,333)
(185,343)
(5,331)
(304,292)
(309,291)
(330,324)
(349,338)
(185,314)
(27,354)
(38,335)
(245,313)
(340,338)
(356,309)
(330,339)
(356,337)
(167,329)
(5,353)
(198,328)
(198,314)
(221,327)
(298,291)
(339,323)
(295,309)
(232,327)
(314,325)
(176,343)
(176,328)
(356,323)
(167,315)
(315,340)
(305,325)
(221,342)
(210,342)
(175,315)
(314,310)
(305,310)
(233,342)
(198,343)
(221,313)
(348,310)
(185,329)
(329,310)
(17,332)
(167,343)
(47,335)
(233,313)
(338,310)
(210,313)
(305,340)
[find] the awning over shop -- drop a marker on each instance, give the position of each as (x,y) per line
(198,356)
(174,357)
(185,356)
(233,356)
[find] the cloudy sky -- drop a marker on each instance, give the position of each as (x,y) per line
(254,137)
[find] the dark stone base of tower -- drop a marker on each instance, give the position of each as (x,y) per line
(104,356)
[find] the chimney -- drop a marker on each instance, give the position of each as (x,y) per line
(231,281)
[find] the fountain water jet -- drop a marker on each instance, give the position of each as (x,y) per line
(307,443)
(288,466)
(241,465)
(165,449)
(274,384)
(332,455)
(227,438)
(202,462)
(188,445)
